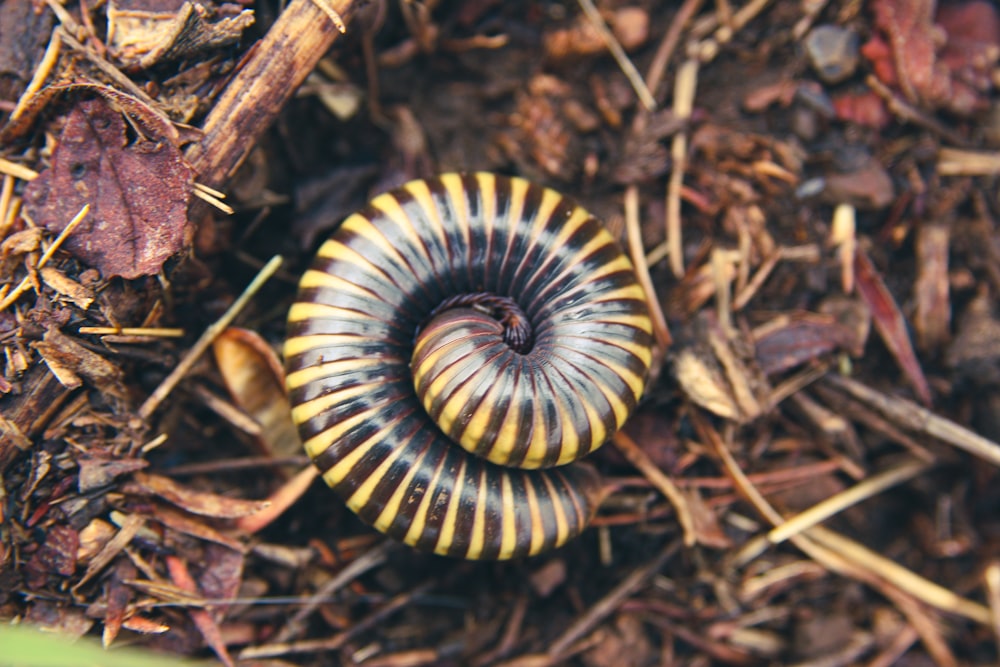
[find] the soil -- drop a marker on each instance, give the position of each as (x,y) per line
(807,189)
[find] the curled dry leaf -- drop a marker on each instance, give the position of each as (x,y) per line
(718,371)
(196,502)
(796,339)
(256,381)
(69,361)
(143,33)
(138,193)
(890,323)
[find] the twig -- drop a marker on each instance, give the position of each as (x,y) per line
(250,103)
(606,605)
(658,67)
(841,501)
(618,53)
(919,419)
(685,86)
(23,286)
(634,234)
(638,458)
(367,561)
(210,334)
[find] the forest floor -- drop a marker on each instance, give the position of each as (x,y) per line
(808,188)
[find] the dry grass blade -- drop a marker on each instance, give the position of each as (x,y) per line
(23,286)
(17,171)
(632,227)
(843,555)
(618,53)
(210,334)
(638,458)
(841,501)
(911,416)
(685,86)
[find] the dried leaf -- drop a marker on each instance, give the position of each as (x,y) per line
(98,471)
(206,625)
(890,323)
(57,555)
(138,193)
(256,381)
(69,288)
(800,338)
(69,360)
(188,525)
(144,33)
(196,502)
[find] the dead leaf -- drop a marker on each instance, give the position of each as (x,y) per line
(196,502)
(204,621)
(98,471)
(890,323)
(69,360)
(138,193)
(143,33)
(56,556)
(907,53)
(256,381)
(799,338)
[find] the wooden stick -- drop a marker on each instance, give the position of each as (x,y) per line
(259,91)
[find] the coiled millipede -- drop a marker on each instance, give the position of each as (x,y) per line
(482,307)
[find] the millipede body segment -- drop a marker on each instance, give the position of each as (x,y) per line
(455,347)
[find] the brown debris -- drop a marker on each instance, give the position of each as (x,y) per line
(135,224)
(142,33)
(770,223)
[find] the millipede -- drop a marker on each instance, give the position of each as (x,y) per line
(455,348)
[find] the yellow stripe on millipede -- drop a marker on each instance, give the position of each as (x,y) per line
(321,442)
(419,523)
(477,537)
(447,536)
(301,377)
(508,532)
(395,504)
(537,523)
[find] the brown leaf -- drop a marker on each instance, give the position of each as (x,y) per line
(256,381)
(196,502)
(138,193)
(146,32)
(799,338)
(117,596)
(890,323)
(206,625)
(194,527)
(69,360)
(98,471)
(56,557)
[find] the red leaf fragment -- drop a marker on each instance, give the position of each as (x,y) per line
(206,625)
(942,60)
(138,193)
(890,323)
(800,339)
(196,502)
(57,556)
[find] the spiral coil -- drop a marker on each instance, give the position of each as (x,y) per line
(455,347)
